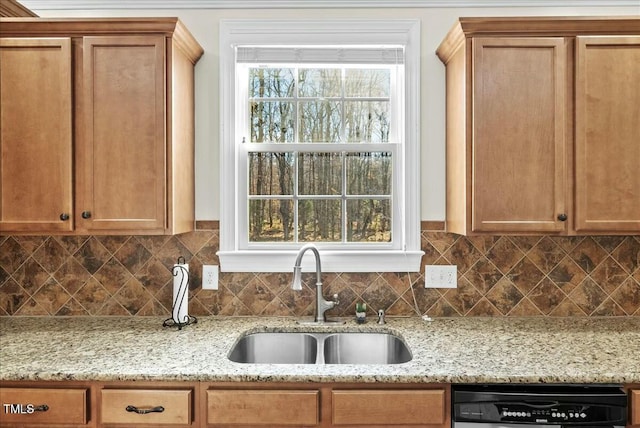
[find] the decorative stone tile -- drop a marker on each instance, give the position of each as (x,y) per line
(628,254)
(71,275)
(628,296)
(112,275)
(12,297)
(462,254)
(92,255)
(153,243)
(30,243)
(525,275)
(567,275)
(567,243)
(525,243)
(442,308)
(12,255)
(32,308)
(112,307)
(588,254)
(30,275)
(93,296)
(546,255)
(71,243)
(609,243)
(358,281)
(72,308)
(153,308)
(133,255)
(207,254)
(235,281)
(483,308)
(51,296)
(430,253)
(546,296)
(196,308)
(609,308)
(505,254)
(113,242)
(588,296)
(483,243)
(442,241)
(567,308)
(256,296)
(276,308)
(50,255)
(279,281)
(195,240)
(347,297)
(525,308)
(504,296)
(154,276)
(379,295)
(463,298)
(235,308)
(132,296)
(398,281)
(4,275)
(483,275)
(609,275)
(171,251)
(425,298)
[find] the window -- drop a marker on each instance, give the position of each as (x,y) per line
(320,141)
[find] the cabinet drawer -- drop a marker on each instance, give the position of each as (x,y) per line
(44,406)
(635,407)
(172,407)
(262,408)
(391,407)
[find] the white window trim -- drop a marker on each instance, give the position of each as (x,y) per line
(356,32)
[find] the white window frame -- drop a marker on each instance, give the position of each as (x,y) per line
(406,257)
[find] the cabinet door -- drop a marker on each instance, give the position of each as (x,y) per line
(518,142)
(121,177)
(635,407)
(608,134)
(44,406)
(35,135)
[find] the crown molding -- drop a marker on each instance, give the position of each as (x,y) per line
(305,4)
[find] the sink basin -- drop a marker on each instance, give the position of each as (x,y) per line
(365,348)
(320,348)
(275,348)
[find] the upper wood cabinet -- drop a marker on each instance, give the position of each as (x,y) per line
(541,135)
(127,87)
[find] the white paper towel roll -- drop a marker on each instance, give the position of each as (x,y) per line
(180,312)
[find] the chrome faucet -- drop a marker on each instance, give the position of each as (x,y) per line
(321,305)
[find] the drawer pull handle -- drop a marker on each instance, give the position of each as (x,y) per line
(41,408)
(158,409)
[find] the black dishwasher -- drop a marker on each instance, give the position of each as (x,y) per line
(538,405)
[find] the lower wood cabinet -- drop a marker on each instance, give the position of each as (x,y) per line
(40,406)
(634,402)
(154,407)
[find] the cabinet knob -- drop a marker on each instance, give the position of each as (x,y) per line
(64,216)
(562,217)
(86,214)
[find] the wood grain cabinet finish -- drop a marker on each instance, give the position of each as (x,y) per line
(228,407)
(634,402)
(153,407)
(36,167)
(129,95)
(512,85)
(388,407)
(608,134)
(44,406)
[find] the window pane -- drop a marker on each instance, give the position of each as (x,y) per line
(367,83)
(271,82)
(320,121)
(319,174)
(368,220)
(272,121)
(319,220)
(367,121)
(369,173)
(271,173)
(317,83)
(270,220)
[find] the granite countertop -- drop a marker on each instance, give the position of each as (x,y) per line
(475,350)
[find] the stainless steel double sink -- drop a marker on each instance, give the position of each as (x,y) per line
(320,348)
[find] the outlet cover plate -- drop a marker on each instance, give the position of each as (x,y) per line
(209,277)
(441,276)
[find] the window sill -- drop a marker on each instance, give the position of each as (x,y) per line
(332,261)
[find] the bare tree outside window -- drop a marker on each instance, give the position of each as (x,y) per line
(341,195)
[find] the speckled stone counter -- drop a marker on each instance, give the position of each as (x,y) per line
(552,350)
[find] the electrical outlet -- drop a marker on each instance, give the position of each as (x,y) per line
(209,277)
(441,276)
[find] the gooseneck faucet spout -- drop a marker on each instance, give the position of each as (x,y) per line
(322,305)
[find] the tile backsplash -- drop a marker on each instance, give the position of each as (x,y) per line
(497,276)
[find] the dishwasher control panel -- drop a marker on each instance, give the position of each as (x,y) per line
(548,405)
